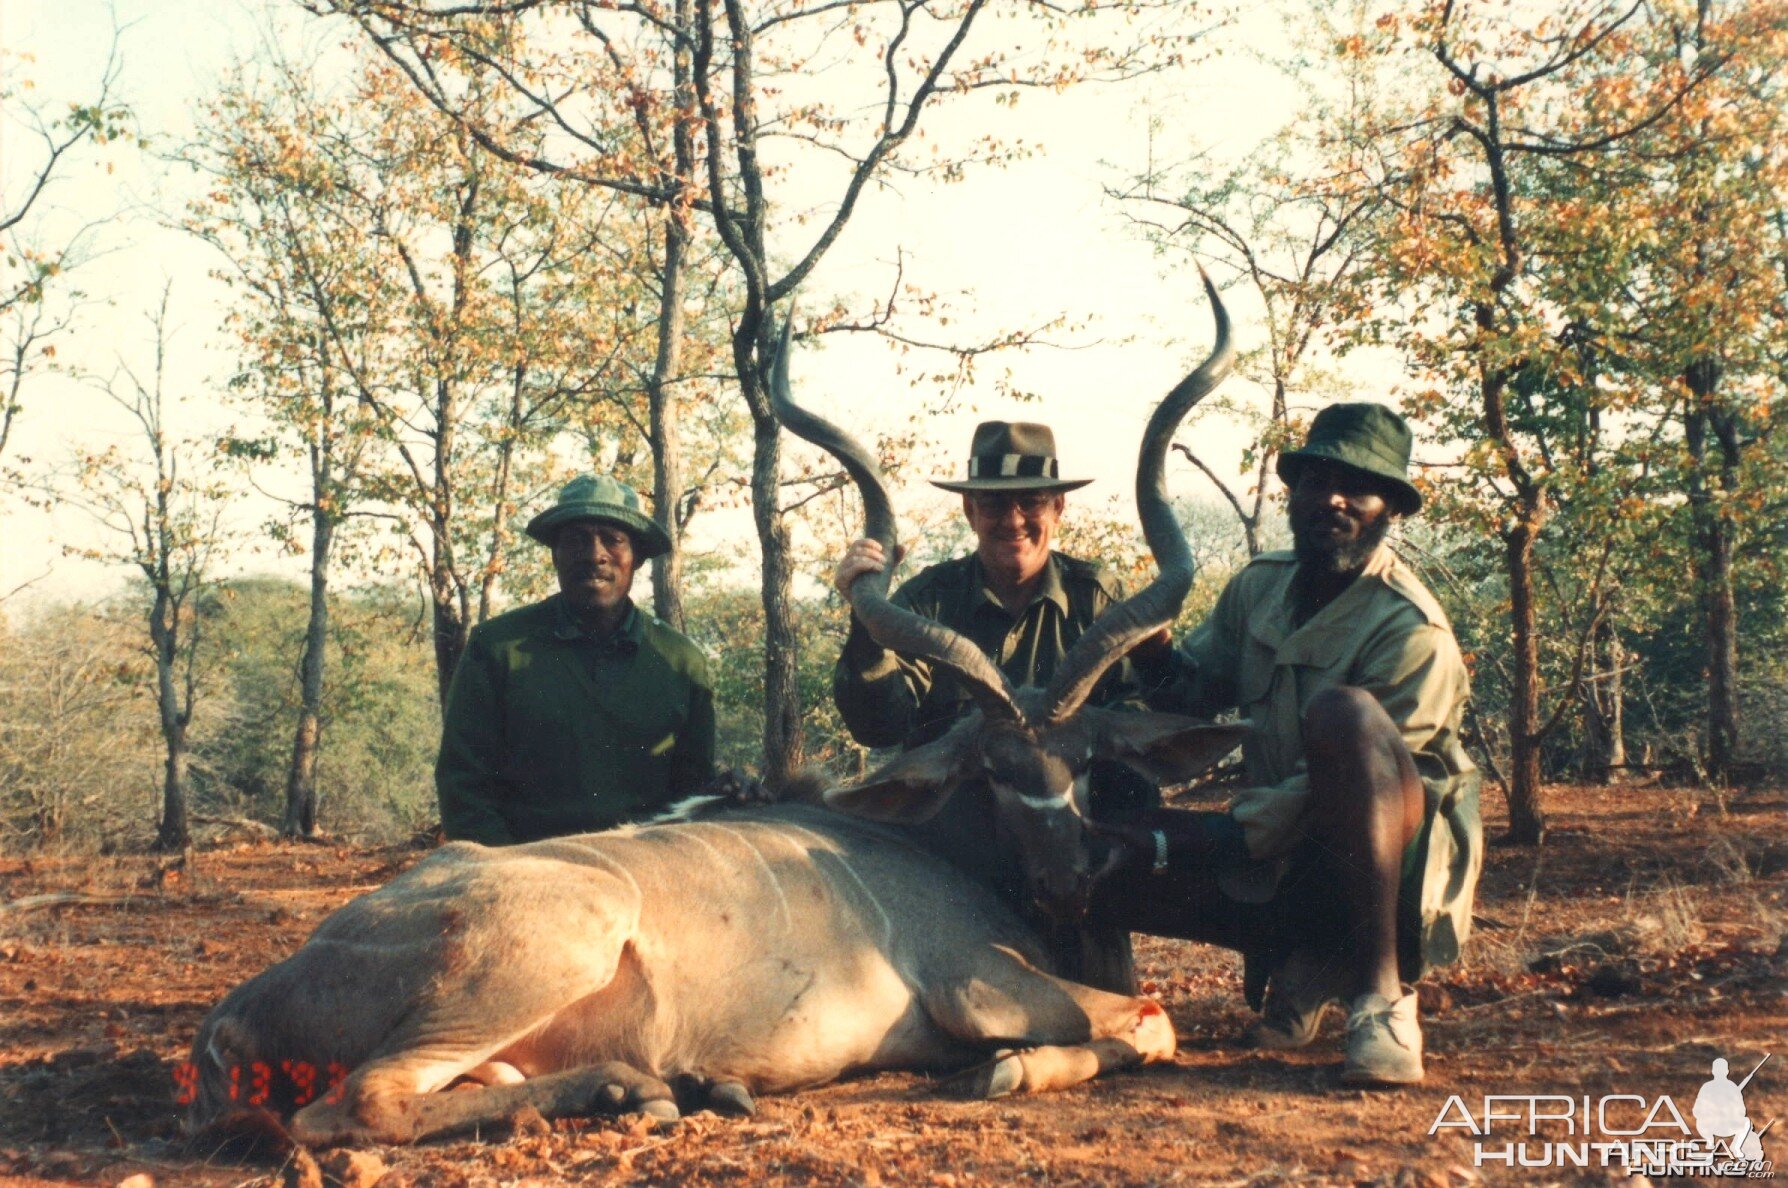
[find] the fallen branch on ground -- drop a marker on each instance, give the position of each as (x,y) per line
(31,903)
(258,828)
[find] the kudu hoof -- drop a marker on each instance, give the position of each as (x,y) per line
(731,1099)
(628,1091)
(999,1077)
(662,1110)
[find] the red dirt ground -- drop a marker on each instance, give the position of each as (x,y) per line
(1662,909)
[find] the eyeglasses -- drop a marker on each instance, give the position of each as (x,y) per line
(1030,504)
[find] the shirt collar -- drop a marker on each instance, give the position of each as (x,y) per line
(1380,563)
(1376,572)
(625,639)
(1049,588)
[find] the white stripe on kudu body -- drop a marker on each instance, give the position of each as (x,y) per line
(843,859)
(616,866)
(769,873)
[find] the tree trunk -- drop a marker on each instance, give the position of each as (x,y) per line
(783,750)
(1615,693)
(301,777)
(661,391)
(173,833)
(1722,660)
(449,607)
(1592,762)
(1705,424)
(1604,740)
(1527,822)
(667,447)
(497,559)
(49,816)
(450,632)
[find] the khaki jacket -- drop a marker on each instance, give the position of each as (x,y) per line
(1384,634)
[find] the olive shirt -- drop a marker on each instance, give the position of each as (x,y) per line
(550,731)
(1384,634)
(888,700)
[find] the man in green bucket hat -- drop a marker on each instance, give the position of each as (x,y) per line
(582,711)
(1347,866)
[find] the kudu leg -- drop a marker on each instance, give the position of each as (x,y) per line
(1045,1068)
(1065,1033)
(381,1109)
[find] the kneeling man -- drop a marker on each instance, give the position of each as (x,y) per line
(1346,868)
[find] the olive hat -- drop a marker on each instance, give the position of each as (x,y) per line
(598,497)
(1366,437)
(1011,456)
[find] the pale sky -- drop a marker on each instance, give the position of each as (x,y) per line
(1030,242)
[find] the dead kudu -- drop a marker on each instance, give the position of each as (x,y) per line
(757,950)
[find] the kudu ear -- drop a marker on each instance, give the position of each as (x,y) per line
(909,788)
(1167,748)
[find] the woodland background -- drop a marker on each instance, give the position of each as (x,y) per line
(476,248)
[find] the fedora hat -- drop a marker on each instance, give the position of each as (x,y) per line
(1011,456)
(599,497)
(1365,437)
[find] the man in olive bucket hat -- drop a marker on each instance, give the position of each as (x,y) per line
(583,711)
(1024,604)
(1346,867)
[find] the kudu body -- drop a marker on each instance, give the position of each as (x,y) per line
(762,950)
(759,950)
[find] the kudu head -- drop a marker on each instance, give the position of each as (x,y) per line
(1033,747)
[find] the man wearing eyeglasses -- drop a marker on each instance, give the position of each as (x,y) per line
(1023,604)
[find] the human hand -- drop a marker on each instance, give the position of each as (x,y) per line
(863,556)
(1152,649)
(739,790)
(1127,846)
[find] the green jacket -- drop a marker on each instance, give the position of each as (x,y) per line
(888,700)
(548,731)
(1384,634)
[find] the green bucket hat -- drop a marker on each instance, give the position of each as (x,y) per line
(1367,437)
(598,497)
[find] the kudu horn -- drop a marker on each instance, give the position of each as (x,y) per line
(893,627)
(1156,605)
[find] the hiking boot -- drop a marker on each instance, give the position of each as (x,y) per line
(1384,1042)
(1297,997)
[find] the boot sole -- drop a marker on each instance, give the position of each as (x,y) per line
(1265,1037)
(1366,1080)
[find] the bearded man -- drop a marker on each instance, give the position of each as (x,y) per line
(1346,867)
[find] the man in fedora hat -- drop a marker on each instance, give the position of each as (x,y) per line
(1018,598)
(582,711)
(1347,865)
(1024,604)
